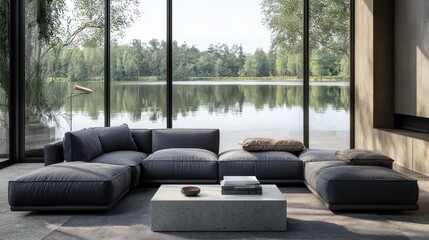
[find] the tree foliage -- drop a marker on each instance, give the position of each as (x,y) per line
(329,24)
(4,61)
(329,35)
(56,33)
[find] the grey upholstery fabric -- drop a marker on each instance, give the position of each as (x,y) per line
(269,166)
(347,187)
(83,145)
(143,139)
(180,164)
(317,155)
(54,153)
(364,157)
(116,138)
(311,171)
(131,159)
(207,139)
(70,186)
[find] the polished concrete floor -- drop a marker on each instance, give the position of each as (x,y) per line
(130,219)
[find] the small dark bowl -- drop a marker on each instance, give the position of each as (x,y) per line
(190,191)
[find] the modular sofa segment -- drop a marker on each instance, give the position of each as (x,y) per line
(70,186)
(54,152)
(110,145)
(268,166)
(182,156)
(341,186)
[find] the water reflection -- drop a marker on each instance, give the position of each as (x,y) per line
(239,110)
(149,100)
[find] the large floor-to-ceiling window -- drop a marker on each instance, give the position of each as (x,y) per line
(329,65)
(252,68)
(4,80)
(63,47)
(138,64)
(229,74)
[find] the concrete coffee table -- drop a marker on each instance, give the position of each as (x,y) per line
(211,211)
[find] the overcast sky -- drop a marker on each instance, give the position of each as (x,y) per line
(204,22)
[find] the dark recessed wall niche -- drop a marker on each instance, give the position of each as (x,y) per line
(383,13)
(413,123)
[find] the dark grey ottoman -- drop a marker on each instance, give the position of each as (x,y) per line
(268,167)
(70,186)
(180,165)
(340,186)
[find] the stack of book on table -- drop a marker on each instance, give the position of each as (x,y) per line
(240,185)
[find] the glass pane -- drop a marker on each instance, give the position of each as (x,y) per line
(230,72)
(63,48)
(4,80)
(138,64)
(329,74)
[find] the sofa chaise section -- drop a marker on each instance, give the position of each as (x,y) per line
(70,186)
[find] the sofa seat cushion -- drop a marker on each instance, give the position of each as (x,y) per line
(181,165)
(70,186)
(131,159)
(268,167)
(341,186)
(312,170)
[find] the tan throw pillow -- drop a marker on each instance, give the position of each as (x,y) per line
(364,157)
(268,144)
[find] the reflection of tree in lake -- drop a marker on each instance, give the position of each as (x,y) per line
(149,101)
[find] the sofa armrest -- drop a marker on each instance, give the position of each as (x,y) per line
(54,153)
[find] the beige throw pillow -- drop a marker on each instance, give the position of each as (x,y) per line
(268,144)
(364,157)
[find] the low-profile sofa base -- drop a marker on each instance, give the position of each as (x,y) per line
(69,187)
(363,207)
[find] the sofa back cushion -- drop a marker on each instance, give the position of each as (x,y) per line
(186,138)
(117,138)
(143,139)
(83,145)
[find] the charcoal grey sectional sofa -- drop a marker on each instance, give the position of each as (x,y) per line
(92,169)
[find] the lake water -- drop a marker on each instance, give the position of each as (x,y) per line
(239,109)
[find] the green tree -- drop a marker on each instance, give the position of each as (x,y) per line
(77,68)
(131,62)
(294,65)
(329,24)
(261,63)
(281,64)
